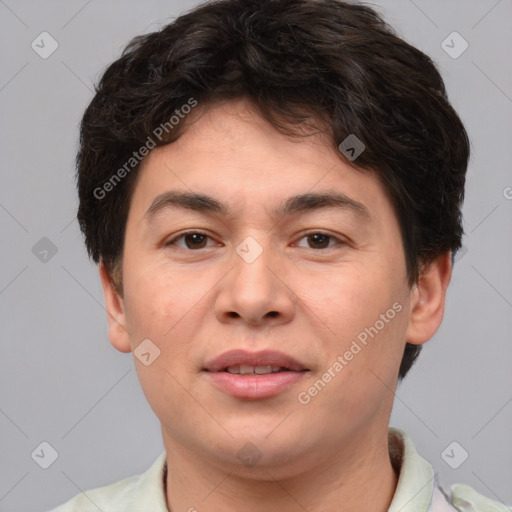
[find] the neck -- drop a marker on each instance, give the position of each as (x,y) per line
(359,476)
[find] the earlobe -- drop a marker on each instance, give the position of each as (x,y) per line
(428,300)
(114,304)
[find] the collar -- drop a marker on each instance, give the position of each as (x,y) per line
(417,489)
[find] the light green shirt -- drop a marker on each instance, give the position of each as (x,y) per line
(417,489)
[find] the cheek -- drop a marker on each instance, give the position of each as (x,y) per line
(159,306)
(360,369)
(361,314)
(166,305)
(154,302)
(347,299)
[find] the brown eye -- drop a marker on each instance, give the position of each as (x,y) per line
(320,241)
(193,240)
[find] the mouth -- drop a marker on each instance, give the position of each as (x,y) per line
(245,369)
(257,375)
(243,362)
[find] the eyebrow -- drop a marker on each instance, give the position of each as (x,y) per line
(298,204)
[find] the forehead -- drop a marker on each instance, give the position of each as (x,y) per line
(229,154)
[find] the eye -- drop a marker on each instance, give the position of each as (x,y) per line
(192,239)
(320,240)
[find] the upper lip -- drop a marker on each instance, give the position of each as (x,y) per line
(239,357)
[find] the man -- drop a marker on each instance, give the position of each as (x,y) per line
(273,191)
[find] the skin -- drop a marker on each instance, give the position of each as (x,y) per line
(315,456)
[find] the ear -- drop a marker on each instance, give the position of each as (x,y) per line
(428,299)
(114,303)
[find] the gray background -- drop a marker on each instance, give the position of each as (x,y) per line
(60,379)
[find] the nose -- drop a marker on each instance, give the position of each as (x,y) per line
(255,291)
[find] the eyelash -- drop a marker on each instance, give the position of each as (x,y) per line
(183,235)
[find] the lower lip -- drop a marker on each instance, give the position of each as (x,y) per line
(254,386)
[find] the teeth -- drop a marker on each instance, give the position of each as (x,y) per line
(253,370)
(261,370)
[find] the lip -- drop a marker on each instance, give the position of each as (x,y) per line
(254,386)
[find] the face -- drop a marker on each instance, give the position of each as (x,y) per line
(293,262)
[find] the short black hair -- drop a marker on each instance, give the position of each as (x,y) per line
(327,64)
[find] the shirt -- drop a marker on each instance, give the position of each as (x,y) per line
(417,488)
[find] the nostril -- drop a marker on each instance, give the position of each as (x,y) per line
(272,313)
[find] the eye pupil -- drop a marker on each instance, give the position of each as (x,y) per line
(196,239)
(319,238)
